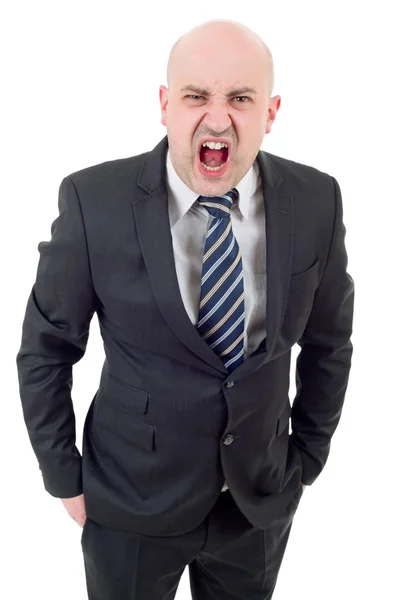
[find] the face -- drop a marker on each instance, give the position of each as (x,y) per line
(218,91)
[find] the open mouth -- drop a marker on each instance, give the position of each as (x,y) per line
(213,159)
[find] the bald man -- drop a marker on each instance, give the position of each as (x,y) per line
(206,260)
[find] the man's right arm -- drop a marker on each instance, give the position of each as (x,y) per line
(55,332)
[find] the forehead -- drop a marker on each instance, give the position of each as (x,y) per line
(220,67)
(206,81)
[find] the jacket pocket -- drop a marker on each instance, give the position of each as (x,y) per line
(121,410)
(307,278)
(125,397)
(299,304)
(136,433)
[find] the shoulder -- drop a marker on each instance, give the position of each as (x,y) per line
(106,190)
(300,176)
(313,193)
(109,174)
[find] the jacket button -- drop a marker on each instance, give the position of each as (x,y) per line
(229,384)
(228,439)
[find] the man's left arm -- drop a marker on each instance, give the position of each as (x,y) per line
(323,364)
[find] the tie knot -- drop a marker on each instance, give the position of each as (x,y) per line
(219,206)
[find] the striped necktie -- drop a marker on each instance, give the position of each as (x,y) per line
(221,309)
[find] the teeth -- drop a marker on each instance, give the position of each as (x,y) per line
(213,168)
(215,145)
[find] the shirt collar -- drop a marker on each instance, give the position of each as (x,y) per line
(182,197)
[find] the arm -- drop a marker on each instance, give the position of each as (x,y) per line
(323,364)
(54,336)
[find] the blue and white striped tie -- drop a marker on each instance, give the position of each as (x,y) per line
(221,310)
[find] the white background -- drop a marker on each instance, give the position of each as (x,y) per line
(81,84)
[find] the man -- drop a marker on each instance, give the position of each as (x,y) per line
(205,261)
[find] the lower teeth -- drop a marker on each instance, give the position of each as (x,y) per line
(212,168)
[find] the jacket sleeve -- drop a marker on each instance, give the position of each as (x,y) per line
(324,361)
(55,332)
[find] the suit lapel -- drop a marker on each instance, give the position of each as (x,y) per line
(279,227)
(150,208)
(279,231)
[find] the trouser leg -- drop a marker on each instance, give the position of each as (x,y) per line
(228,558)
(238,560)
(121,565)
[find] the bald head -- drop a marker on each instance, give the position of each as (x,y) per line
(230,33)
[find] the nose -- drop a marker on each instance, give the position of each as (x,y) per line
(217,117)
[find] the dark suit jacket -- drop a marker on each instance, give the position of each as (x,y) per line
(168,423)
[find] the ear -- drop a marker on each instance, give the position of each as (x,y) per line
(163,103)
(273,107)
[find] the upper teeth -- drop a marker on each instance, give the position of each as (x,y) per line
(215,145)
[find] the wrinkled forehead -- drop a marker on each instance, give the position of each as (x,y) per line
(212,80)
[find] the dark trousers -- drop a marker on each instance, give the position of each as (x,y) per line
(228,558)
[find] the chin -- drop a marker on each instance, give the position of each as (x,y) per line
(213,189)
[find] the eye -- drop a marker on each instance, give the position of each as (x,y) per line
(197,97)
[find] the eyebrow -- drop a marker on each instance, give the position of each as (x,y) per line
(206,92)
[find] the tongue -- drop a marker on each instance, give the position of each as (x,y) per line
(212,158)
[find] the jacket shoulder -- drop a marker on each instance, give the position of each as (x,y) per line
(300,175)
(110,171)
(312,192)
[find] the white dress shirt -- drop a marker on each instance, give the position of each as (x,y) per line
(189,223)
